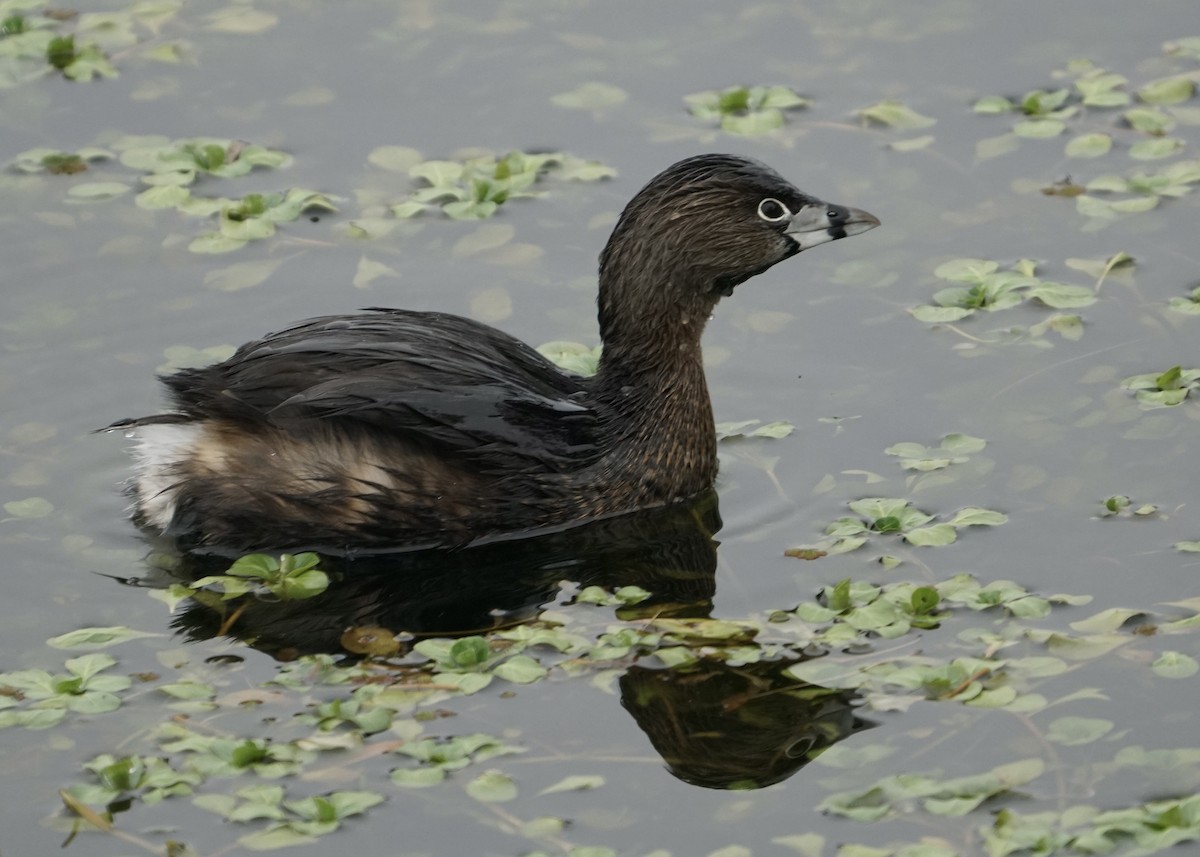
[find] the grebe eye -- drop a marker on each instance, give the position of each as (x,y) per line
(772,210)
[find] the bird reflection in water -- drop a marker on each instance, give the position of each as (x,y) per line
(714,725)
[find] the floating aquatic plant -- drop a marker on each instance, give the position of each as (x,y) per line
(149,779)
(985,287)
(181,162)
(437,757)
(293,822)
(1120,504)
(35,41)
(895,114)
(1190,304)
(1150,112)
(86,688)
(57,162)
(1163,389)
(1140,192)
(885,515)
(748,111)
(476,187)
(954,449)
(287,577)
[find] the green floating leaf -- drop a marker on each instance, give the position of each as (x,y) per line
(1039,102)
(1106,621)
(1156,148)
(574,783)
(1089,146)
(1150,120)
(520,669)
(96,638)
(938,534)
(1101,89)
(1189,305)
(1175,665)
(418,778)
(894,114)
(492,787)
(1039,129)
(752,428)
(1169,90)
(992,104)
(940,314)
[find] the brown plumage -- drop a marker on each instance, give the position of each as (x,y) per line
(393,428)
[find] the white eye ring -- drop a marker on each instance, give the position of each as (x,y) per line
(772,210)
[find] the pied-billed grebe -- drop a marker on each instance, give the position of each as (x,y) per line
(392,428)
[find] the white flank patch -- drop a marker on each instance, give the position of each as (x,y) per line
(159,449)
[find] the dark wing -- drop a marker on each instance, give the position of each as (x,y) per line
(447,380)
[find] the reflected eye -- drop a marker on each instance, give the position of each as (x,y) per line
(772,210)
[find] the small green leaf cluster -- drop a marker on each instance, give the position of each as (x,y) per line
(1163,389)
(964,590)
(468,664)
(252,218)
(955,448)
(1045,112)
(171,166)
(148,778)
(57,162)
(78,63)
(439,757)
(856,610)
(181,162)
(475,188)
(1189,304)
(1144,190)
(288,577)
(899,683)
(895,515)
(987,288)
(328,716)
(890,796)
(1144,829)
(35,42)
(297,822)
(1119,504)
(218,756)
(30,38)
(84,689)
(748,111)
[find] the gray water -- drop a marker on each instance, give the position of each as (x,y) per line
(94,295)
